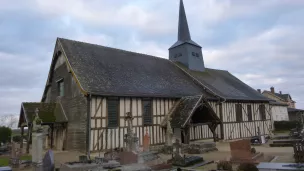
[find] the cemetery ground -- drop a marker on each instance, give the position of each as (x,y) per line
(283,155)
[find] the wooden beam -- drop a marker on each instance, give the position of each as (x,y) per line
(29,138)
(22,133)
(52,131)
(221,124)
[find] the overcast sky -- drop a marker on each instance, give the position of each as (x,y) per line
(259,41)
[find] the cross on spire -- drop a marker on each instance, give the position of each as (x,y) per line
(183,28)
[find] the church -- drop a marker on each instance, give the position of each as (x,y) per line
(90,88)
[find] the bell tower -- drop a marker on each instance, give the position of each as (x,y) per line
(185,50)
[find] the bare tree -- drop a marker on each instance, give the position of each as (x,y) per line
(10,121)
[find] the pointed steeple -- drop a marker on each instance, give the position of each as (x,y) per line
(184,50)
(183,29)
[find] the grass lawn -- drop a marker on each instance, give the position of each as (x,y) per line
(281,132)
(5,160)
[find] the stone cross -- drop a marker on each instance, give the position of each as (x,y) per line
(130,138)
(129,119)
(169,132)
(37,141)
(177,148)
(146,144)
(37,122)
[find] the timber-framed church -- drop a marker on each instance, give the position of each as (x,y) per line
(90,88)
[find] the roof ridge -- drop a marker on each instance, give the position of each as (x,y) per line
(122,50)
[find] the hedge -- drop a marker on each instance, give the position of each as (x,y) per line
(285,125)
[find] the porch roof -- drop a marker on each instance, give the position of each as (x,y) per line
(183,110)
(48,113)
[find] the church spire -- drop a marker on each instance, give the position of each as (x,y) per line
(183,29)
(185,50)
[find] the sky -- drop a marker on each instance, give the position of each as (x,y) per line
(260,42)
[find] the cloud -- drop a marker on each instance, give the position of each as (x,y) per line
(258,41)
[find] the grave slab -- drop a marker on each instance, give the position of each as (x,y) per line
(6,168)
(279,167)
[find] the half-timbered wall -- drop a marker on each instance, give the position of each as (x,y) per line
(102,138)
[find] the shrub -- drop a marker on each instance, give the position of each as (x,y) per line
(247,167)
(224,165)
(5,134)
(284,125)
(17,138)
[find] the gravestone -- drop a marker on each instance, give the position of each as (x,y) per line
(181,160)
(48,161)
(152,160)
(15,156)
(241,151)
(146,142)
(130,138)
(6,168)
(38,134)
(169,133)
(280,167)
(128,157)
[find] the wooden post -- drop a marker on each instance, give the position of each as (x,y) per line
(22,133)
(52,131)
(29,138)
(221,125)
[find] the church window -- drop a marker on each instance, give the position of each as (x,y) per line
(113,111)
(262,112)
(60,87)
(239,112)
(147,111)
(180,54)
(249,112)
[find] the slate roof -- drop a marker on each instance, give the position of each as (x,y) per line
(108,71)
(48,112)
(282,96)
(225,84)
(114,72)
(276,103)
(292,110)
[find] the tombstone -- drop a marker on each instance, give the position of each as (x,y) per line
(130,138)
(146,142)
(15,156)
(169,133)
(6,168)
(48,161)
(181,160)
(128,157)
(177,155)
(241,151)
(38,135)
(177,148)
